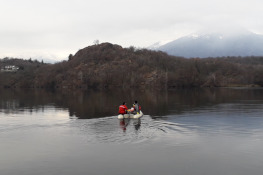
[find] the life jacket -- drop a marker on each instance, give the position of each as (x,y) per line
(137,107)
(122,109)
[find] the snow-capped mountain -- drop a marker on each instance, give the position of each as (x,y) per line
(216,44)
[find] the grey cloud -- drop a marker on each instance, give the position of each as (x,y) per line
(68,24)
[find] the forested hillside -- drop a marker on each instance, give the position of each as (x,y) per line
(108,66)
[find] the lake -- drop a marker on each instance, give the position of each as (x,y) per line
(185,131)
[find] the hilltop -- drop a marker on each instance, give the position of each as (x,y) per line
(109,66)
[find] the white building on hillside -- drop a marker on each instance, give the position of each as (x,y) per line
(9,68)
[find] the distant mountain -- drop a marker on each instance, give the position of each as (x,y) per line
(216,44)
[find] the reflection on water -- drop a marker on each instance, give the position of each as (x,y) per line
(126,121)
(198,131)
(110,130)
(95,104)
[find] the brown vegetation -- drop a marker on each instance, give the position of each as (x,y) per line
(107,66)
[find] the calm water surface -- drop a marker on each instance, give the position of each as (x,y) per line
(184,132)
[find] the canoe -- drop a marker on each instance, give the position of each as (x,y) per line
(122,116)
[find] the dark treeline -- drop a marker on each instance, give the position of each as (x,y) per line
(107,66)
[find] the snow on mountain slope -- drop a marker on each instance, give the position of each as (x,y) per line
(215,44)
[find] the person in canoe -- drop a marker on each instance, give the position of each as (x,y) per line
(123,108)
(136,107)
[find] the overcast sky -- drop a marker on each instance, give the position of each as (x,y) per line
(55,28)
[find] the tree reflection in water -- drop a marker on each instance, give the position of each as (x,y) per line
(97,104)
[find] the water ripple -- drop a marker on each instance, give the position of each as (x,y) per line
(112,130)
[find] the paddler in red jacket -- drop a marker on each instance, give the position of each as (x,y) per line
(123,108)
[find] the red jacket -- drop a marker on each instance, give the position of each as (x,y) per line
(122,109)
